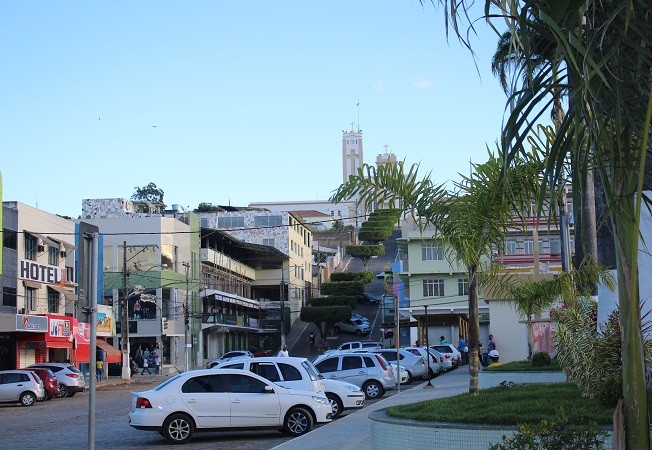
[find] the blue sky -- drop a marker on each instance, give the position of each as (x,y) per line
(249,98)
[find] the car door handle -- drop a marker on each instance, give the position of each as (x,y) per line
(235,401)
(333,377)
(192,400)
(361,372)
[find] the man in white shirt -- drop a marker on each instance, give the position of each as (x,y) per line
(284,351)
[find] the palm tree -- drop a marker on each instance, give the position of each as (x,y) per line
(606,48)
(471,220)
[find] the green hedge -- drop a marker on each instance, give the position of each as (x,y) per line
(336,300)
(354,288)
(374,235)
(328,314)
(365,251)
(365,277)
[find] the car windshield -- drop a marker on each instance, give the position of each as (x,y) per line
(312,370)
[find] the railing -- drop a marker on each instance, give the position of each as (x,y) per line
(225,319)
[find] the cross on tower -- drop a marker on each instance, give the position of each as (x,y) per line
(352,123)
(385,147)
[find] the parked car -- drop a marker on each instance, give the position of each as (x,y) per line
(71,380)
(228,356)
(449,349)
(370,372)
(436,360)
(356,346)
(50,382)
(369,299)
(356,316)
(404,375)
(20,386)
(209,399)
(416,366)
(299,373)
(358,327)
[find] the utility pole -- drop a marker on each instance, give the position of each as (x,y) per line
(186,316)
(282,326)
(124,323)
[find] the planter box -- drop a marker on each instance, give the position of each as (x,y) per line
(490,378)
(389,433)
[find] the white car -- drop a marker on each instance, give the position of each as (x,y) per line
(450,350)
(299,373)
(219,399)
(405,375)
(356,346)
(358,327)
(417,366)
(229,356)
(436,360)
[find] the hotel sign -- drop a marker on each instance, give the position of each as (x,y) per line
(42,273)
(36,324)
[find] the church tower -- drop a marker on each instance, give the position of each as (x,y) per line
(352,154)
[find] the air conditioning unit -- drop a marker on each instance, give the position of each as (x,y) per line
(40,248)
(63,254)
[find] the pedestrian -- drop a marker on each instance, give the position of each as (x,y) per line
(145,367)
(443,340)
(311,340)
(284,351)
(492,344)
(417,343)
(493,357)
(157,363)
(463,349)
(99,369)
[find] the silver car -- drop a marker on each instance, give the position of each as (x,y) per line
(357,326)
(20,386)
(71,380)
(436,359)
(416,366)
(229,356)
(372,373)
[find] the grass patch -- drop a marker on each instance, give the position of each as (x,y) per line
(508,406)
(522,366)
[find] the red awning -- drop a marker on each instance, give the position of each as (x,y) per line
(111,353)
(58,344)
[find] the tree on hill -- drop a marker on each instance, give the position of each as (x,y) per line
(149,193)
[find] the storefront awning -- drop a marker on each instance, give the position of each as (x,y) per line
(58,344)
(32,284)
(112,354)
(62,290)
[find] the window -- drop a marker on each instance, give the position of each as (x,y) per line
(462,286)
(555,246)
(30,299)
(230,222)
(53,256)
(241,383)
(327,365)
(9,239)
(290,373)
(431,251)
(351,362)
(207,383)
(369,361)
(268,221)
(269,241)
(203,222)
(266,370)
(510,247)
(31,246)
(529,246)
(433,288)
(53,301)
(9,296)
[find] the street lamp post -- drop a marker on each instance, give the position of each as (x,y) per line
(124,322)
(186,317)
(428,384)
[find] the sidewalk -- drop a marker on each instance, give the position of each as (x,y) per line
(136,380)
(353,430)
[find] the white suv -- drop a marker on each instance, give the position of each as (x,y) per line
(372,373)
(356,346)
(299,373)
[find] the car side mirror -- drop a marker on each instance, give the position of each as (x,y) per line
(269,389)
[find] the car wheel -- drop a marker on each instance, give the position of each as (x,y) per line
(27,398)
(297,422)
(336,404)
(372,389)
(178,428)
(410,378)
(358,333)
(63,391)
(336,329)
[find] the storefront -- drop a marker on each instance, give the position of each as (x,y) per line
(51,338)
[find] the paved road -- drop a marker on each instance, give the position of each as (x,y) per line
(64,424)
